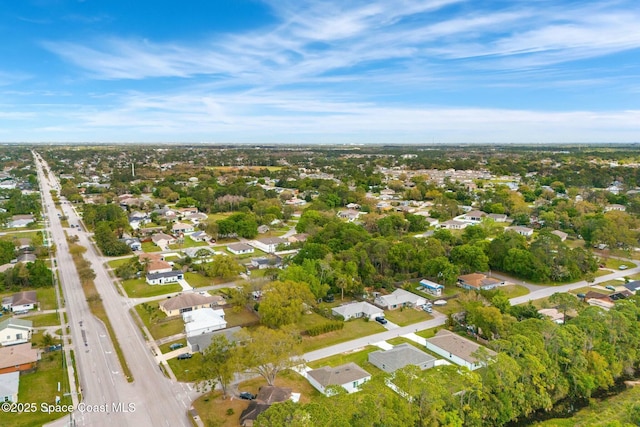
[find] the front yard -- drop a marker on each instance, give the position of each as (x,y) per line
(40,320)
(150,247)
(139,288)
(157,322)
(360,358)
(406,316)
(352,329)
(186,370)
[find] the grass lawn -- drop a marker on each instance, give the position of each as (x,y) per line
(49,319)
(119,262)
(157,322)
(586,289)
(360,358)
(139,288)
(187,243)
(513,291)
(352,329)
(406,316)
(218,216)
(601,272)
(186,370)
(40,387)
(47,298)
(241,318)
(402,340)
(614,263)
(214,410)
(164,348)
(611,411)
(197,280)
(150,247)
(19,235)
(427,333)
(453,306)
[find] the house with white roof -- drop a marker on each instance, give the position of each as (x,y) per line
(15,331)
(433,288)
(240,248)
(203,321)
(9,384)
(400,298)
(269,244)
(523,231)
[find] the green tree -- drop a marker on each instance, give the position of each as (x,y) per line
(267,352)
(219,364)
(283,303)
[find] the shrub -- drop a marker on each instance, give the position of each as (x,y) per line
(324,328)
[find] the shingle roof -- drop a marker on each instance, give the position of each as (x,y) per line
(339,375)
(18,355)
(457,345)
(186,300)
(400,356)
(24,297)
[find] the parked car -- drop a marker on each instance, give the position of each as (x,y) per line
(329,298)
(381,320)
(184,356)
(623,267)
(611,288)
(581,295)
(247,396)
(176,346)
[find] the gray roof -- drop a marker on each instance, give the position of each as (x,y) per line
(153,276)
(239,247)
(9,383)
(24,297)
(343,374)
(633,286)
(400,356)
(199,343)
(191,252)
(349,310)
(16,322)
(457,345)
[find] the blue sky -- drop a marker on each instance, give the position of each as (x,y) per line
(331,71)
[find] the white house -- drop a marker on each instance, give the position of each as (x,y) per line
(453,224)
(203,321)
(269,244)
(9,384)
(523,231)
(356,310)
(165,278)
(432,287)
(21,301)
(180,227)
(457,349)
(474,216)
(199,236)
(349,376)
(240,248)
(21,221)
(15,331)
(200,254)
(615,207)
(158,266)
(400,298)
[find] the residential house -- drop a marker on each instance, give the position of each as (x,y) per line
(200,254)
(433,222)
(186,302)
(158,266)
(199,236)
(523,231)
(203,320)
(454,224)
(553,314)
(400,298)
(162,239)
(350,215)
(474,216)
(182,228)
(199,343)
(498,217)
(262,229)
(478,281)
(24,244)
(349,376)
(165,278)
(26,258)
(356,310)
(432,288)
(267,396)
(262,263)
(457,349)
(269,244)
(18,358)
(298,238)
(9,385)
(20,221)
(561,234)
(633,286)
(15,331)
(615,207)
(196,217)
(240,248)
(21,301)
(138,219)
(597,299)
(400,356)
(134,243)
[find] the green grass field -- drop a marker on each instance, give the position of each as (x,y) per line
(186,370)
(40,320)
(406,316)
(197,280)
(157,322)
(352,329)
(119,262)
(139,288)
(360,358)
(150,247)
(40,387)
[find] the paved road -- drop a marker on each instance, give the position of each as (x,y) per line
(158,401)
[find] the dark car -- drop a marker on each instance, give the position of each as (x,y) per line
(329,298)
(247,396)
(381,320)
(185,356)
